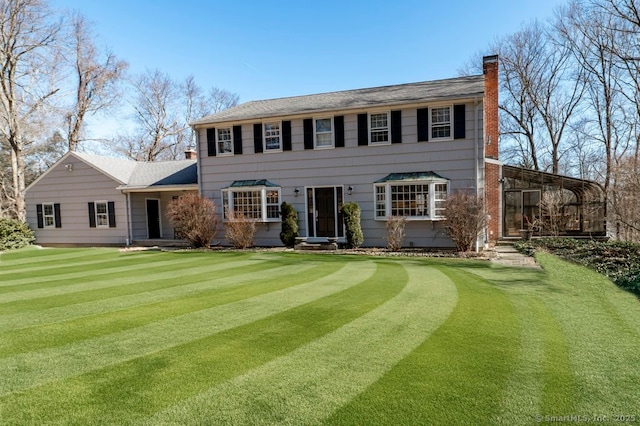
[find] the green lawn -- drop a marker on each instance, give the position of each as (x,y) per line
(94,336)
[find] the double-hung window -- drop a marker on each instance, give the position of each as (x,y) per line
(224,141)
(259,203)
(272,136)
(102,214)
(48,215)
(415,199)
(379,128)
(441,123)
(323,132)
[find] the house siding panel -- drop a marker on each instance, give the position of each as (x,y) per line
(88,185)
(353,165)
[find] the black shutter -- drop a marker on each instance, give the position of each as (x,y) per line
(363,129)
(257,138)
(237,140)
(423,124)
(92,215)
(211,142)
(286,135)
(396,126)
(459,121)
(338,123)
(57,216)
(111,210)
(307,126)
(40,216)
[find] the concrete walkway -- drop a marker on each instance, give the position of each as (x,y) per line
(509,256)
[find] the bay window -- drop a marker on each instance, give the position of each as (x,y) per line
(259,203)
(414,199)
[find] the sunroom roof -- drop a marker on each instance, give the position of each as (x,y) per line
(411,176)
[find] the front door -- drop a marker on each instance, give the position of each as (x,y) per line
(153,218)
(323,212)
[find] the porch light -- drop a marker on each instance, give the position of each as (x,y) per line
(349,189)
(296,192)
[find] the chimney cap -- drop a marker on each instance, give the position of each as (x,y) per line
(489,59)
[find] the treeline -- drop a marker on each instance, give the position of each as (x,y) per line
(54,75)
(570,100)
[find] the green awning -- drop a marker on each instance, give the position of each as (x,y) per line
(412,176)
(252,182)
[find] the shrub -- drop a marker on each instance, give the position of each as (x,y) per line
(465,220)
(195,218)
(618,260)
(14,234)
(289,230)
(351,212)
(239,230)
(395,232)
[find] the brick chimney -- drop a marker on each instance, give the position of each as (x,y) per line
(490,70)
(492,167)
(190,154)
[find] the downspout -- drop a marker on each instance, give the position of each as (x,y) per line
(478,156)
(198,161)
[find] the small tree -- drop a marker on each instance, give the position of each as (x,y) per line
(395,232)
(195,218)
(289,230)
(239,230)
(466,218)
(351,212)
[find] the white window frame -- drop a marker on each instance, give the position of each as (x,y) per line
(264,136)
(105,214)
(379,129)
(263,194)
(433,125)
(46,216)
(316,133)
(218,151)
(382,196)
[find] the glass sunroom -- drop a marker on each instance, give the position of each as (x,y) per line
(552,205)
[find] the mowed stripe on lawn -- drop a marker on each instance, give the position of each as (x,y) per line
(311,382)
(119,313)
(152,288)
(142,386)
(35,368)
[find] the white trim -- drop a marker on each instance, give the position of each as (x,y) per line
(430,202)
(264,136)
(53,215)
(451,123)
(224,154)
(159,188)
(106,207)
(335,208)
(227,201)
(315,133)
(370,128)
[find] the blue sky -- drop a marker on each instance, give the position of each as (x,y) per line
(269,49)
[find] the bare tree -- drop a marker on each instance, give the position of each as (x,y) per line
(466,219)
(163,109)
(97,77)
(27,62)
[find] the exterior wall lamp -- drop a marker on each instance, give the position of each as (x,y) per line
(296,192)
(349,189)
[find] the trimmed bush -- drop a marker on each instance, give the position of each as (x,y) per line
(14,234)
(618,260)
(239,230)
(351,212)
(465,220)
(194,218)
(289,230)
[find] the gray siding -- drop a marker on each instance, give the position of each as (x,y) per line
(139,213)
(353,165)
(73,191)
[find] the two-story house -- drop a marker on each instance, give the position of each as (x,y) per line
(395,150)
